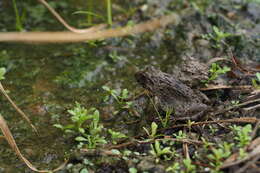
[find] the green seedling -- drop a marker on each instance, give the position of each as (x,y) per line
(189,167)
(153,133)
(2,73)
(18,19)
(200,5)
(90,13)
(242,134)
(242,153)
(218,155)
(159,152)
(180,135)
(215,70)
(85,124)
(190,123)
(109,12)
(116,135)
(164,121)
(132,170)
(212,129)
(206,144)
(235,102)
(256,81)
(119,96)
(217,37)
(175,168)
(89,16)
(115,57)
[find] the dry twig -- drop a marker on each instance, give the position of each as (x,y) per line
(10,139)
(66,37)
(17,108)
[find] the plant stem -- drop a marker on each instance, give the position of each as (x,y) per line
(90,9)
(109,12)
(18,24)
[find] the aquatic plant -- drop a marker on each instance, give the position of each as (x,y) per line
(85,125)
(121,97)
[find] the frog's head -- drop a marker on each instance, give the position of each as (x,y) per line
(147,77)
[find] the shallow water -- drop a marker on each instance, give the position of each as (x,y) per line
(46,80)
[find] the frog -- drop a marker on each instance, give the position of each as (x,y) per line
(172,93)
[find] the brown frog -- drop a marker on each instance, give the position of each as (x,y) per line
(172,93)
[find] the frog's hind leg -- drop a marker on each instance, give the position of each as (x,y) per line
(198,116)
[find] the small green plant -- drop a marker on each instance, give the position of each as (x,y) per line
(235,102)
(190,123)
(109,12)
(180,135)
(206,143)
(212,129)
(189,167)
(175,168)
(256,81)
(164,120)
(153,133)
(90,13)
(2,73)
(121,97)
(242,153)
(159,151)
(132,170)
(242,134)
(18,19)
(85,124)
(200,5)
(215,70)
(217,37)
(114,56)
(116,135)
(219,154)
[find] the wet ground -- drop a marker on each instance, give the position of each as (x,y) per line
(46,80)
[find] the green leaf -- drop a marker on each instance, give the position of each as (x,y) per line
(2,73)
(258,76)
(132,170)
(81,130)
(124,94)
(80,139)
(70,126)
(106,88)
(59,126)
(115,151)
(84,170)
(154,129)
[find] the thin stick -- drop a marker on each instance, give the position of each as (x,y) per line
(67,37)
(62,21)
(10,139)
(17,108)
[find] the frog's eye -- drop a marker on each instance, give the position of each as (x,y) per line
(140,77)
(143,78)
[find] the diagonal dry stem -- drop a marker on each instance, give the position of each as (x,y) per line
(72,29)
(17,108)
(10,139)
